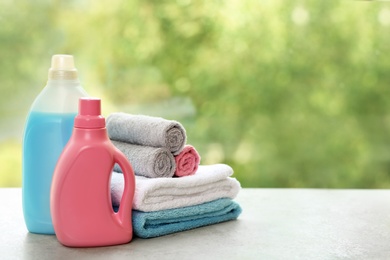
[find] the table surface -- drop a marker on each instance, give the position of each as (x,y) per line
(275,224)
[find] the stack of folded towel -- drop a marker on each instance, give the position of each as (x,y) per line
(173,192)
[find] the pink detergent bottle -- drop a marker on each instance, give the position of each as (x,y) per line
(80,200)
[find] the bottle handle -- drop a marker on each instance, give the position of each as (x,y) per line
(124,213)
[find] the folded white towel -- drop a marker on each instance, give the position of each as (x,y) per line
(210,182)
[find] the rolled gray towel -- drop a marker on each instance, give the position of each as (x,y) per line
(151,162)
(146,130)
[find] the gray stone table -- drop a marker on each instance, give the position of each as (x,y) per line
(275,224)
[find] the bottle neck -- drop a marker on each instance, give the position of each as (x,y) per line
(92,135)
(63,82)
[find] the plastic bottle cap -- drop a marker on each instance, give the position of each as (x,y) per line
(62,67)
(89,115)
(62,62)
(89,107)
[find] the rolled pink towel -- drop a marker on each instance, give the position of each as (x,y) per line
(187,161)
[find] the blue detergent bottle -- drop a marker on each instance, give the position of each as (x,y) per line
(48,128)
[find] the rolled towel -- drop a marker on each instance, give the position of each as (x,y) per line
(164,222)
(146,130)
(187,161)
(209,183)
(147,161)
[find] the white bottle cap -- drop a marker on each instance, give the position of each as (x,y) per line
(62,62)
(62,68)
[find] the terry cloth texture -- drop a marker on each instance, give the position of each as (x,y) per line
(146,130)
(164,222)
(187,161)
(147,161)
(210,182)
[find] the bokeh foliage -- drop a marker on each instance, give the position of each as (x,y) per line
(289,93)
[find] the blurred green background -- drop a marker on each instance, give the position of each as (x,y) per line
(289,93)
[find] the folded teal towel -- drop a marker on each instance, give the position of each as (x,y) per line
(164,222)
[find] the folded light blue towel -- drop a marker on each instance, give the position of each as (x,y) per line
(164,222)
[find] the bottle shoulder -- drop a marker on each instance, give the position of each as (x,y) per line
(86,142)
(59,98)
(86,156)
